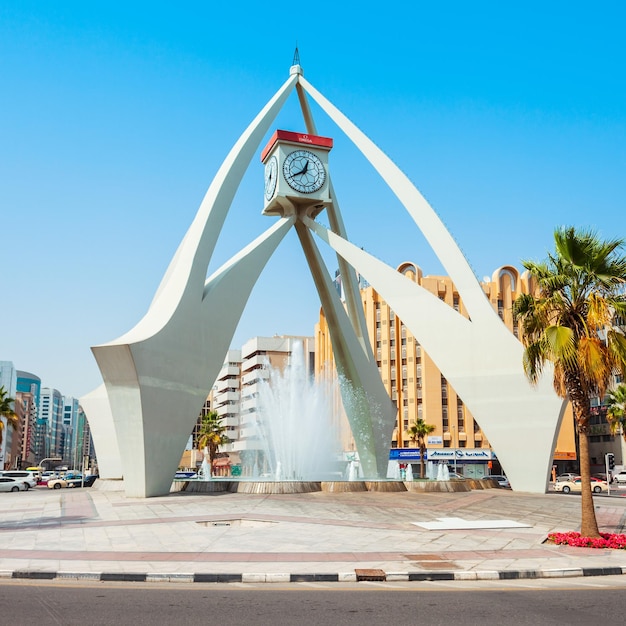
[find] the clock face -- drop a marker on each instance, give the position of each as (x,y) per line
(271,177)
(303,171)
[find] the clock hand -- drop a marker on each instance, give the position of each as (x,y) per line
(302,171)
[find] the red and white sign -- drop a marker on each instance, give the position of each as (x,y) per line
(313,141)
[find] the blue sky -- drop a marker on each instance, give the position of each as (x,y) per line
(114,117)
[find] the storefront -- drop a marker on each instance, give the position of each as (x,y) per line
(469,462)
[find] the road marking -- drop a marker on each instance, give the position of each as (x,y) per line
(457,523)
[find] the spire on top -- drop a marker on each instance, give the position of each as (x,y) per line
(295,65)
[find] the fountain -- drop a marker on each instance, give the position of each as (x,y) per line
(205,468)
(295,429)
(409,472)
(352,471)
(298,444)
(393,470)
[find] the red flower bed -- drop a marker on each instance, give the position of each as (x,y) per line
(607,540)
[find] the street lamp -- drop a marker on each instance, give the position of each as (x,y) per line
(51,458)
(454,443)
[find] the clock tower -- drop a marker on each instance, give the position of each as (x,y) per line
(296,174)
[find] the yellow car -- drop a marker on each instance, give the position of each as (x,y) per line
(575,485)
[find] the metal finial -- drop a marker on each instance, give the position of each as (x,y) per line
(295,66)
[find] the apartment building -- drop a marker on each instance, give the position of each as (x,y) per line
(420,390)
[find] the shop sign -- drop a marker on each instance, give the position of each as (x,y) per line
(405,454)
(460,454)
(439,454)
(434,440)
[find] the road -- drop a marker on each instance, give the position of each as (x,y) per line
(506,603)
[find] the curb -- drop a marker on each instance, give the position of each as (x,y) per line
(310,578)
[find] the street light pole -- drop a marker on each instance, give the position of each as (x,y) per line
(454,443)
(51,458)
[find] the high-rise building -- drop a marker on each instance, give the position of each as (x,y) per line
(226,394)
(10,437)
(82,455)
(68,433)
(418,388)
(26,409)
(48,441)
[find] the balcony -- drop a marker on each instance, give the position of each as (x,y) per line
(254,375)
(249,432)
(248,420)
(228,370)
(226,383)
(231,420)
(248,404)
(247,444)
(254,362)
(228,396)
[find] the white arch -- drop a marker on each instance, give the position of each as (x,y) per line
(159,373)
(482,361)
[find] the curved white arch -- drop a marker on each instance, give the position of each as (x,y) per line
(481,361)
(158,374)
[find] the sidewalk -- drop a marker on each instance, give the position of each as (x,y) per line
(489,534)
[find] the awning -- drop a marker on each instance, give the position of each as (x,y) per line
(222,462)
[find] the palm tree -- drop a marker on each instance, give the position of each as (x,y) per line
(211,435)
(573,322)
(616,411)
(6,411)
(418,432)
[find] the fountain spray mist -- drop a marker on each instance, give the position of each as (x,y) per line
(298,433)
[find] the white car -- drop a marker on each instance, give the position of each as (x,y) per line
(575,486)
(620,477)
(503,481)
(566,476)
(12,484)
(28,477)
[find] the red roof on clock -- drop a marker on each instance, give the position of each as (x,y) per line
(315,141)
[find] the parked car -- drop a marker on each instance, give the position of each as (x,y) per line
(567,486)
(455,476)
(12,484)
(46,476)
(566,476)
(28,477)
(503,481)
(35,470)
(620,477)
(72,481)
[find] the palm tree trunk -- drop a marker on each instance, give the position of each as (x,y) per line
(588,523)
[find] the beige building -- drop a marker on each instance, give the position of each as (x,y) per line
(419,389)
(235,398)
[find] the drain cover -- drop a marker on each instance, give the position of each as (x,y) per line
(370,574)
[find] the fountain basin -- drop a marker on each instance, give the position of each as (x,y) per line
(337,486)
